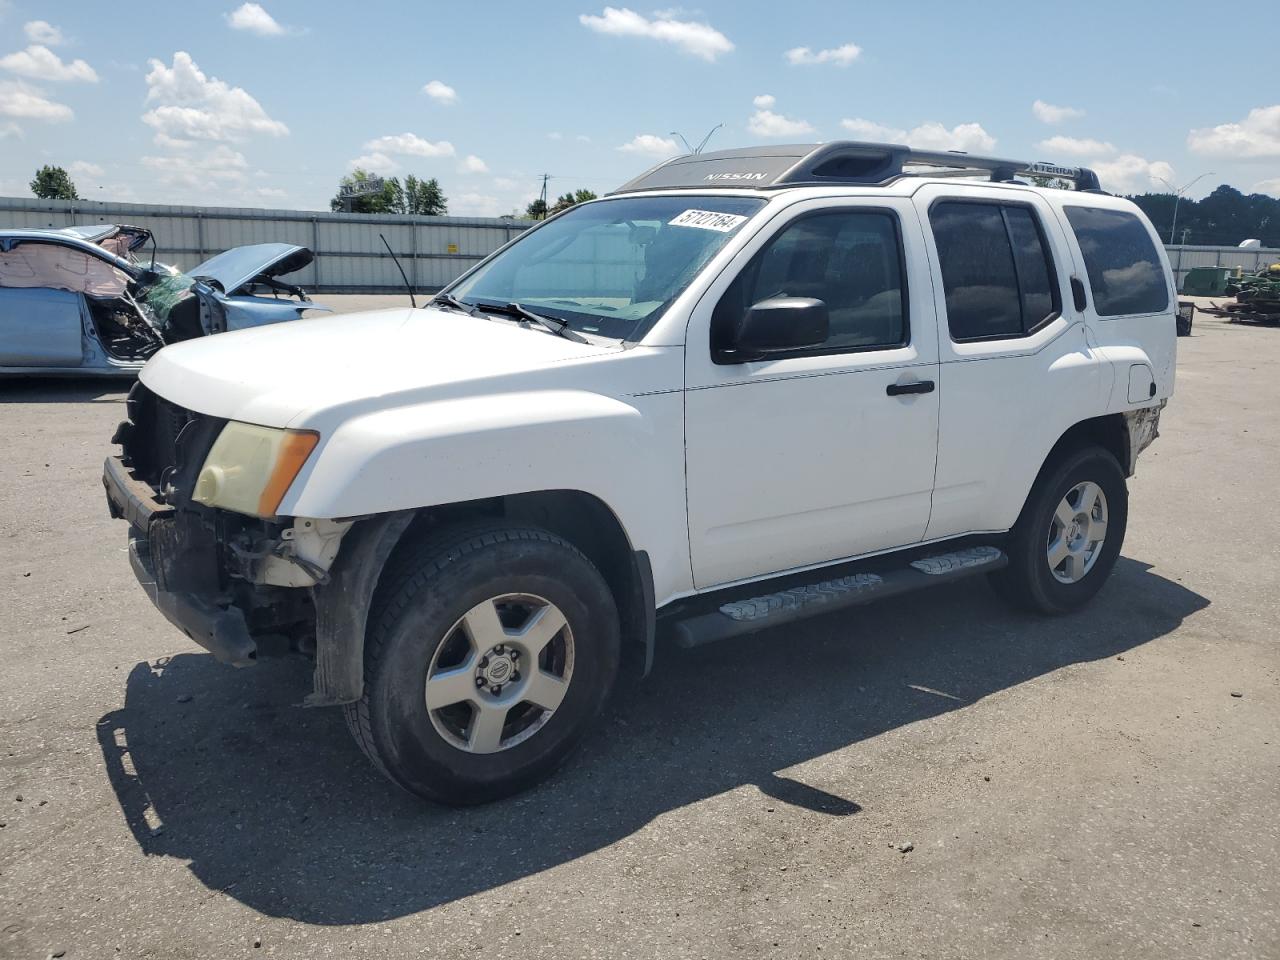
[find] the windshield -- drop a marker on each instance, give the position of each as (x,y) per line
(610,268)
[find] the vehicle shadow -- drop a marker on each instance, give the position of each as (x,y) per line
(64,390)
(275,806)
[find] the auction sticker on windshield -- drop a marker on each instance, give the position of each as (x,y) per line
(708,220)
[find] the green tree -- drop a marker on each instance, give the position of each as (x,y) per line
(1224,217)
(1053,182)
(568,200)
(382,202)
(424,197)
(53,183)
(536,210)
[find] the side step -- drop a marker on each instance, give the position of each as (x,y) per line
(771,609)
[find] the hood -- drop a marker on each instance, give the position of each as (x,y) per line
(298,374)
(233,268)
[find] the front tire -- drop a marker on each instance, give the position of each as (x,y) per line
(489,651)
(1068,538)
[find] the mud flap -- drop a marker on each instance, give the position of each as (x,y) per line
(342,608)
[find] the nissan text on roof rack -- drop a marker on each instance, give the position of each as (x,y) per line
(747,387)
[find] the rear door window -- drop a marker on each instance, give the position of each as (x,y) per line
(1124,268)
(997,274)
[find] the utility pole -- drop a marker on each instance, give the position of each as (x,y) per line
(545,178)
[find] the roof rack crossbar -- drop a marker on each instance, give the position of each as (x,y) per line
(848,161)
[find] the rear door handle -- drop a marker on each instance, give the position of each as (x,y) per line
(916,386)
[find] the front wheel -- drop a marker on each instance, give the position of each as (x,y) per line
(489,651)
(1069,535)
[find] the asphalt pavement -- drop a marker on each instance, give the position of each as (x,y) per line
(932,777)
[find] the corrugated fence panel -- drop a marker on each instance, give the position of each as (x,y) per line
(349,254)
(350,257)
(1183,258)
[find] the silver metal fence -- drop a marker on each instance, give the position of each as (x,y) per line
(1183,257)
(349,256)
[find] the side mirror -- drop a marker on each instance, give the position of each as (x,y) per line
(778,325)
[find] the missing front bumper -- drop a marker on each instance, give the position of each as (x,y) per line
(187,594)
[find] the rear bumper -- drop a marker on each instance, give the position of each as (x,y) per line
(157,537)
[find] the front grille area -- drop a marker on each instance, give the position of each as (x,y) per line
(164,444)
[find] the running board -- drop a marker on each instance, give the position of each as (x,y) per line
(772,609)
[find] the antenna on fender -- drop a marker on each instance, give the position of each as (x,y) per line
(403,276)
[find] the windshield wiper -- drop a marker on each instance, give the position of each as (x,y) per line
(554,324)
(449,300)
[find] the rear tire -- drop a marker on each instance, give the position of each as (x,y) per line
(1069,535)
(489,651)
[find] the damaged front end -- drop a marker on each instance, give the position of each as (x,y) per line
(231,582)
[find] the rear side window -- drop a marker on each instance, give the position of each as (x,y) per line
(1124,269)
(997,275)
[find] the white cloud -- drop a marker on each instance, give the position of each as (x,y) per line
(42,31)
(582,138)
(374,163)
(765,123)
(472,164)
(11,130)
(253,18)
(440,92)
(841,56)
(197,170)
(505,183)
(1130,173)
(555,135)
(1048,113)
(967,137)
(651,145)
(83,168)
(1256,136)
(765,101)
(410,144)
(1271,187)
(196,107)
(41,63)
(477,205)
(18,99)
(1075,146)
(699,39)
(870,130)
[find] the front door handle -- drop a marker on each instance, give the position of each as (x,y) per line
(916,386)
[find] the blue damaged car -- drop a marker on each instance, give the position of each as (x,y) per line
(79,300)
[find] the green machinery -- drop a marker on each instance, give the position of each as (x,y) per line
(1206,281)
(1257,295)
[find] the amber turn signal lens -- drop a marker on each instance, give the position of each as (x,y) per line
(294,450)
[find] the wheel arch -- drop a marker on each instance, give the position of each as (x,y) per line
(1110,431)
(342,603)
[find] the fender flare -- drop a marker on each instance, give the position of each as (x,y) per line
(342,608)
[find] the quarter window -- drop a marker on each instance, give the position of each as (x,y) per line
(1124,269)
(850,260)
(997,274)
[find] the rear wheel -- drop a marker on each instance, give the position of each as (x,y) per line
(489,651)
(1069,535)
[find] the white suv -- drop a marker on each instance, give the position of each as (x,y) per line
(749,386)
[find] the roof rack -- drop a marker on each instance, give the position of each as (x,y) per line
(841,162)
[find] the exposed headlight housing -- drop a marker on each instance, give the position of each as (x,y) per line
(249,469)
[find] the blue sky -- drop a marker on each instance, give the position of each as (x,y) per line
(269,104)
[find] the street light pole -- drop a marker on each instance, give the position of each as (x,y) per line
(1177,199)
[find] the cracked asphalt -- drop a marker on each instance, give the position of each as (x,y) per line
(1101,785)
